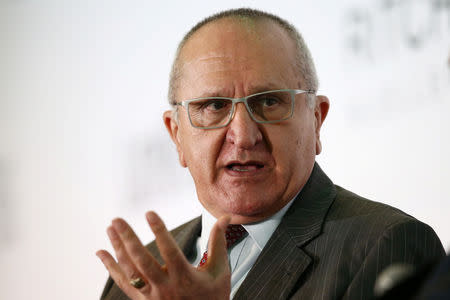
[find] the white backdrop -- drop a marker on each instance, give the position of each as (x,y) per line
(83,87)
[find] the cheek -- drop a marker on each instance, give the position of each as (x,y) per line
(296,148)
(201,150)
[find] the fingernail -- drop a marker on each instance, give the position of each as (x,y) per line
(119,225)
(152,218)
(111,233)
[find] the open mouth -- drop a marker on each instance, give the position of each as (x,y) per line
(247,167)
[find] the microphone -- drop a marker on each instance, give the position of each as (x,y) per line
(401,281)
(392,276)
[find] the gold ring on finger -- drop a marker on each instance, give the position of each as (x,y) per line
(137,282)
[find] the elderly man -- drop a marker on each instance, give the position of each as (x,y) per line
(246,121)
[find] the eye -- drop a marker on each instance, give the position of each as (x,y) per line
(214,105)
(269,101)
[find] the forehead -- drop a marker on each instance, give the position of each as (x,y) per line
(238,51)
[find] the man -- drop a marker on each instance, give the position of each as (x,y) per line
(246,122)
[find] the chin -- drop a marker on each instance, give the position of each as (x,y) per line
(245,205)
(248,206)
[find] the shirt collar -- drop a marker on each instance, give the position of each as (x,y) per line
(208,222)
(260,232)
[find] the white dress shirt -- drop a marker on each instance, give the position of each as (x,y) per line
(242,255)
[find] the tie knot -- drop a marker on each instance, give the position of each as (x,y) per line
(234,233)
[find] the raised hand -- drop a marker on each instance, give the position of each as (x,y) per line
(140,276)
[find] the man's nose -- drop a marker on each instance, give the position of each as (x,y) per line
(243,132)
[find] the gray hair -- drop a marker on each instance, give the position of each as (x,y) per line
(304,59)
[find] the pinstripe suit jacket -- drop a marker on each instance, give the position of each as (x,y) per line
(331,244)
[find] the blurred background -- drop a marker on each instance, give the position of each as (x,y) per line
(83,86)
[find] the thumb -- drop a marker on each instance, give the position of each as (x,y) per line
(217,261)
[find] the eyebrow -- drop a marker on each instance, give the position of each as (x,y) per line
(221,92)
(267,87)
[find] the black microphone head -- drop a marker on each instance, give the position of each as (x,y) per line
(391,277)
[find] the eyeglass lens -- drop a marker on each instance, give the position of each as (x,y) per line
(271,106)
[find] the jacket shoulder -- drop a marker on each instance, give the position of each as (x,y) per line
(350,205)
(359,238)
(367,225)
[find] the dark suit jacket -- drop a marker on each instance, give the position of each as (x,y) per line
(331,244)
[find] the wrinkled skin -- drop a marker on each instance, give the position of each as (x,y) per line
(231,59)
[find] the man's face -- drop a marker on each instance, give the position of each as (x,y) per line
(246,170)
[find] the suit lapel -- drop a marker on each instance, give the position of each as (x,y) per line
(276,270)
(187,237)
(282,261)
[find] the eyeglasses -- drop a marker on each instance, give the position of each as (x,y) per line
(266,107)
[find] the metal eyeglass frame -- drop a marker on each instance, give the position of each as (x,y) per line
(234,101)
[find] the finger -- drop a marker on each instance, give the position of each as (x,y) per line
(217,247)
(170,252)
(139,255)
(117,274)
(123,259)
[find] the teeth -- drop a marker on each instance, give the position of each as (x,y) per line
(241,168)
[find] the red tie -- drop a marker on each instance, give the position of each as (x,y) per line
(233,234)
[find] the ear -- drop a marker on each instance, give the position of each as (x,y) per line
(320,113)
(172,127)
